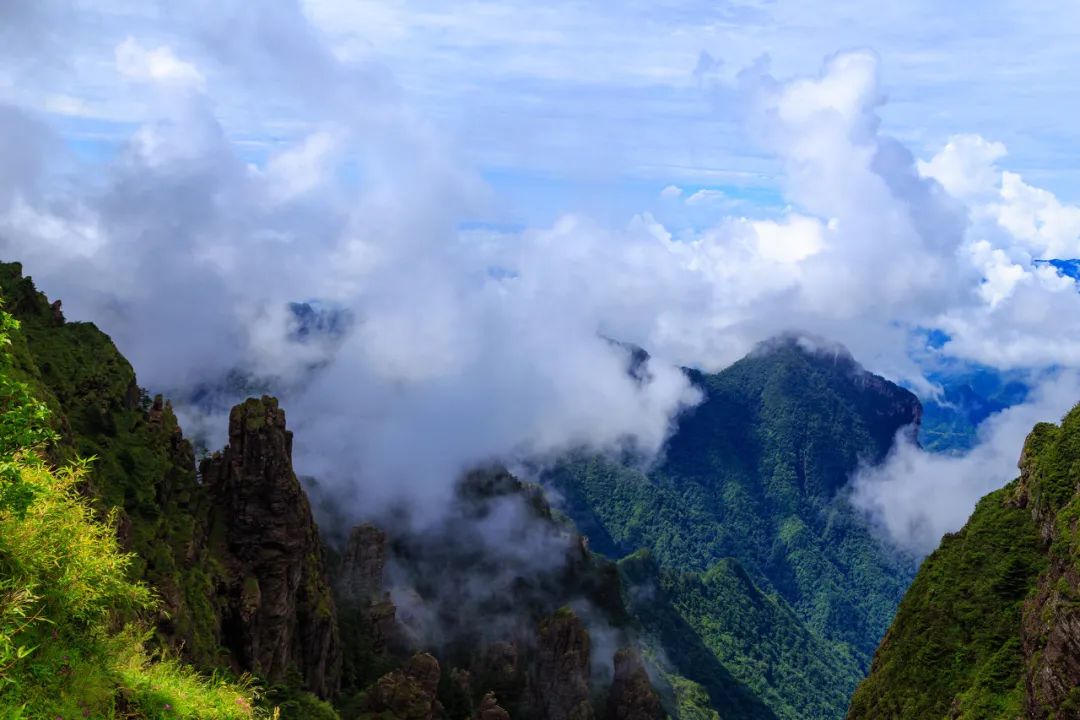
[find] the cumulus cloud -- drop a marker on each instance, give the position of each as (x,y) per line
(917,496)
(189,244)
(965,166)
(189,255)
(159,64)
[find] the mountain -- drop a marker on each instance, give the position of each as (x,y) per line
(970,394)
(228,571)
(767,575)
(991,625)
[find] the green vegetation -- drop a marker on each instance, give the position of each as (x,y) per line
(142,469)
(956,639)
(70,638)
(691,701)
(970,636)
(755,474)
(749,651)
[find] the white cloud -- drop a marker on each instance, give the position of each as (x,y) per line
(159,65)
(965,166)
(919,496)
(792,241)
(1027,314)
(1037,219)
(706,196)
(303,168)
(188,255)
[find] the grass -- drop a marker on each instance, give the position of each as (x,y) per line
(72,640)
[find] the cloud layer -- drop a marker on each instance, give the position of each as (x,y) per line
(919,496)
(469,342)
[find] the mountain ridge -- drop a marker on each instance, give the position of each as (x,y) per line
(756,474)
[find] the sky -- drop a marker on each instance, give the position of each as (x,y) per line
(487,192)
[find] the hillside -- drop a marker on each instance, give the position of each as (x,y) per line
(72,618)
(224,567)
(750,488)
(989,628)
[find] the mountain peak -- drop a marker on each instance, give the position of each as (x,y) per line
(808,344)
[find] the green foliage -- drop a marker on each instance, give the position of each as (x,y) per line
(68,608)
(955,643)
(23,425)
(691,700)
(755,473)
(293,704)
(143,470)
(758,640)
(956,648)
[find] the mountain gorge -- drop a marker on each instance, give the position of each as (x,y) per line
(247,584)
(728,579)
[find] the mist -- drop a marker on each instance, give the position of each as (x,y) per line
(469,341)
(916,496)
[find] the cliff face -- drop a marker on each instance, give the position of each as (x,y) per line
(991,625)
(247,586)
(632,696)
(278,613)
(560,680)
(1049,488)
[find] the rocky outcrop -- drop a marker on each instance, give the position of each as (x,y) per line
(500,669)
(560,676)
(278,615)
(1051,618)
(362,565)
(371,634)
(361,591)
(409,693)
(489,709)
(1051,641)
(632,696)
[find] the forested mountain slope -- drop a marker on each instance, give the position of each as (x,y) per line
(750,494)
(991,625)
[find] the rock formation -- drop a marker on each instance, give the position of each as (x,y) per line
(560,677)
(409,693)
(632,696)
(279,615)
(489,709)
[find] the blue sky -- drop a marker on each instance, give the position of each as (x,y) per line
(690,177)
(614,98)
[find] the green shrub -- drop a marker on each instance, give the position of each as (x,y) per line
(70,639)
